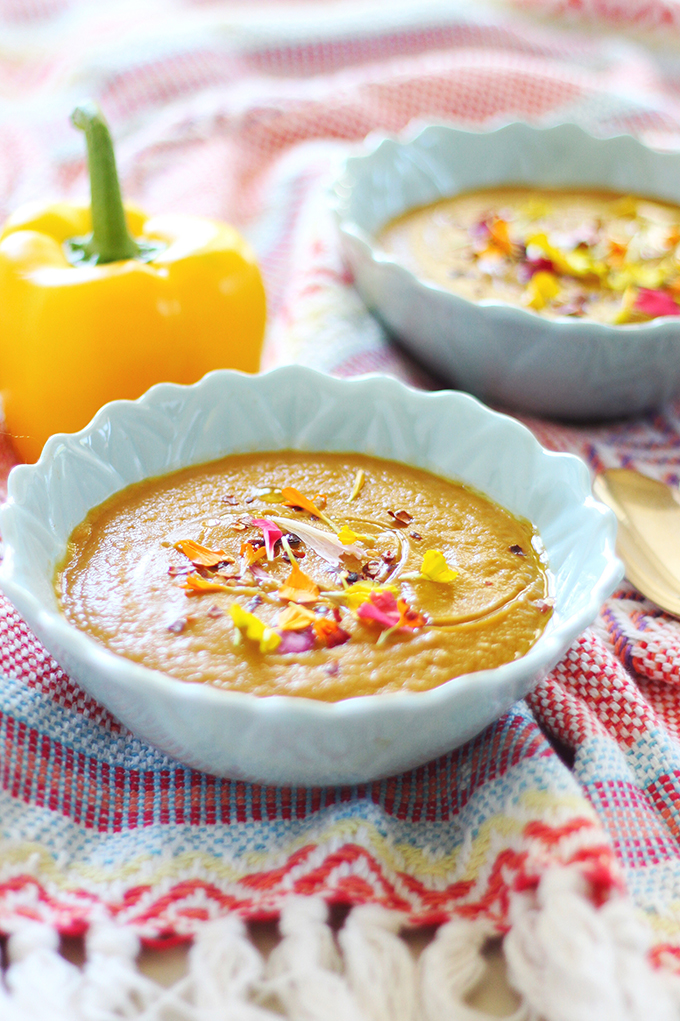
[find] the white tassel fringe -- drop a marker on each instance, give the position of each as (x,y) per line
(451,967)
(574,962)
(303,970)
(568,960)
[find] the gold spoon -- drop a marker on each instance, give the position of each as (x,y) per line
(648,539)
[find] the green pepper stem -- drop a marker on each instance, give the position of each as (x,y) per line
(110,240)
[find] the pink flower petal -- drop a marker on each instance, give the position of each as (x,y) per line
(531,266)
(380,610)
(271,532)
(656,303)
(385,601)
(296,641)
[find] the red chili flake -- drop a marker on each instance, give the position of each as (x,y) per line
(401,517)
(229,499)
(178,625)
(414,535)
(389,556)
(518,550)
(215,611)
(371,569)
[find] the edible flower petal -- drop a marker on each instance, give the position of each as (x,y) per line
(408,617)
(201,555)
(500,238)
(390,613)
(253,553)
(294,498)
(295,618)
(297,641)
(195,585)
(255,629)
(325,544)
(347,536)
(354,595)
(299,587)
(271,532)
(382,608)
(539,265)
(655,303)
(435,567)
(359,480)
(329,632)
(541,289)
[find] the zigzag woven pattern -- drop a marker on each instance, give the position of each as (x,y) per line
(588,770)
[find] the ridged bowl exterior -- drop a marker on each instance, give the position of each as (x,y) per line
(564,368)
(288,740)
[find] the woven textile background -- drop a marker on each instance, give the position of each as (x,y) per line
(245,112)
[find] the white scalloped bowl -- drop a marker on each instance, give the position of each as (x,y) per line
(280,739)
(511,356)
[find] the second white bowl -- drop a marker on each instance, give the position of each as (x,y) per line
(563,368)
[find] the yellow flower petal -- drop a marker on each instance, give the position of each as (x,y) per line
(435,568)
(541,289)
(355,595)
(255,629)
(347,536)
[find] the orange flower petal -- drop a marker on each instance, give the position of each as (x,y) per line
(295,618)
(201,555)
(253,553)
(330,633)
(196,585)
(293,498)
(408,617)
(299,587)
(498,229)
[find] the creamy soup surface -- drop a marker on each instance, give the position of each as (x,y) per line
(320,575)
(595,255)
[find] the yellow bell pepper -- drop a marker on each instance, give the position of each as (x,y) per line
(99,302)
